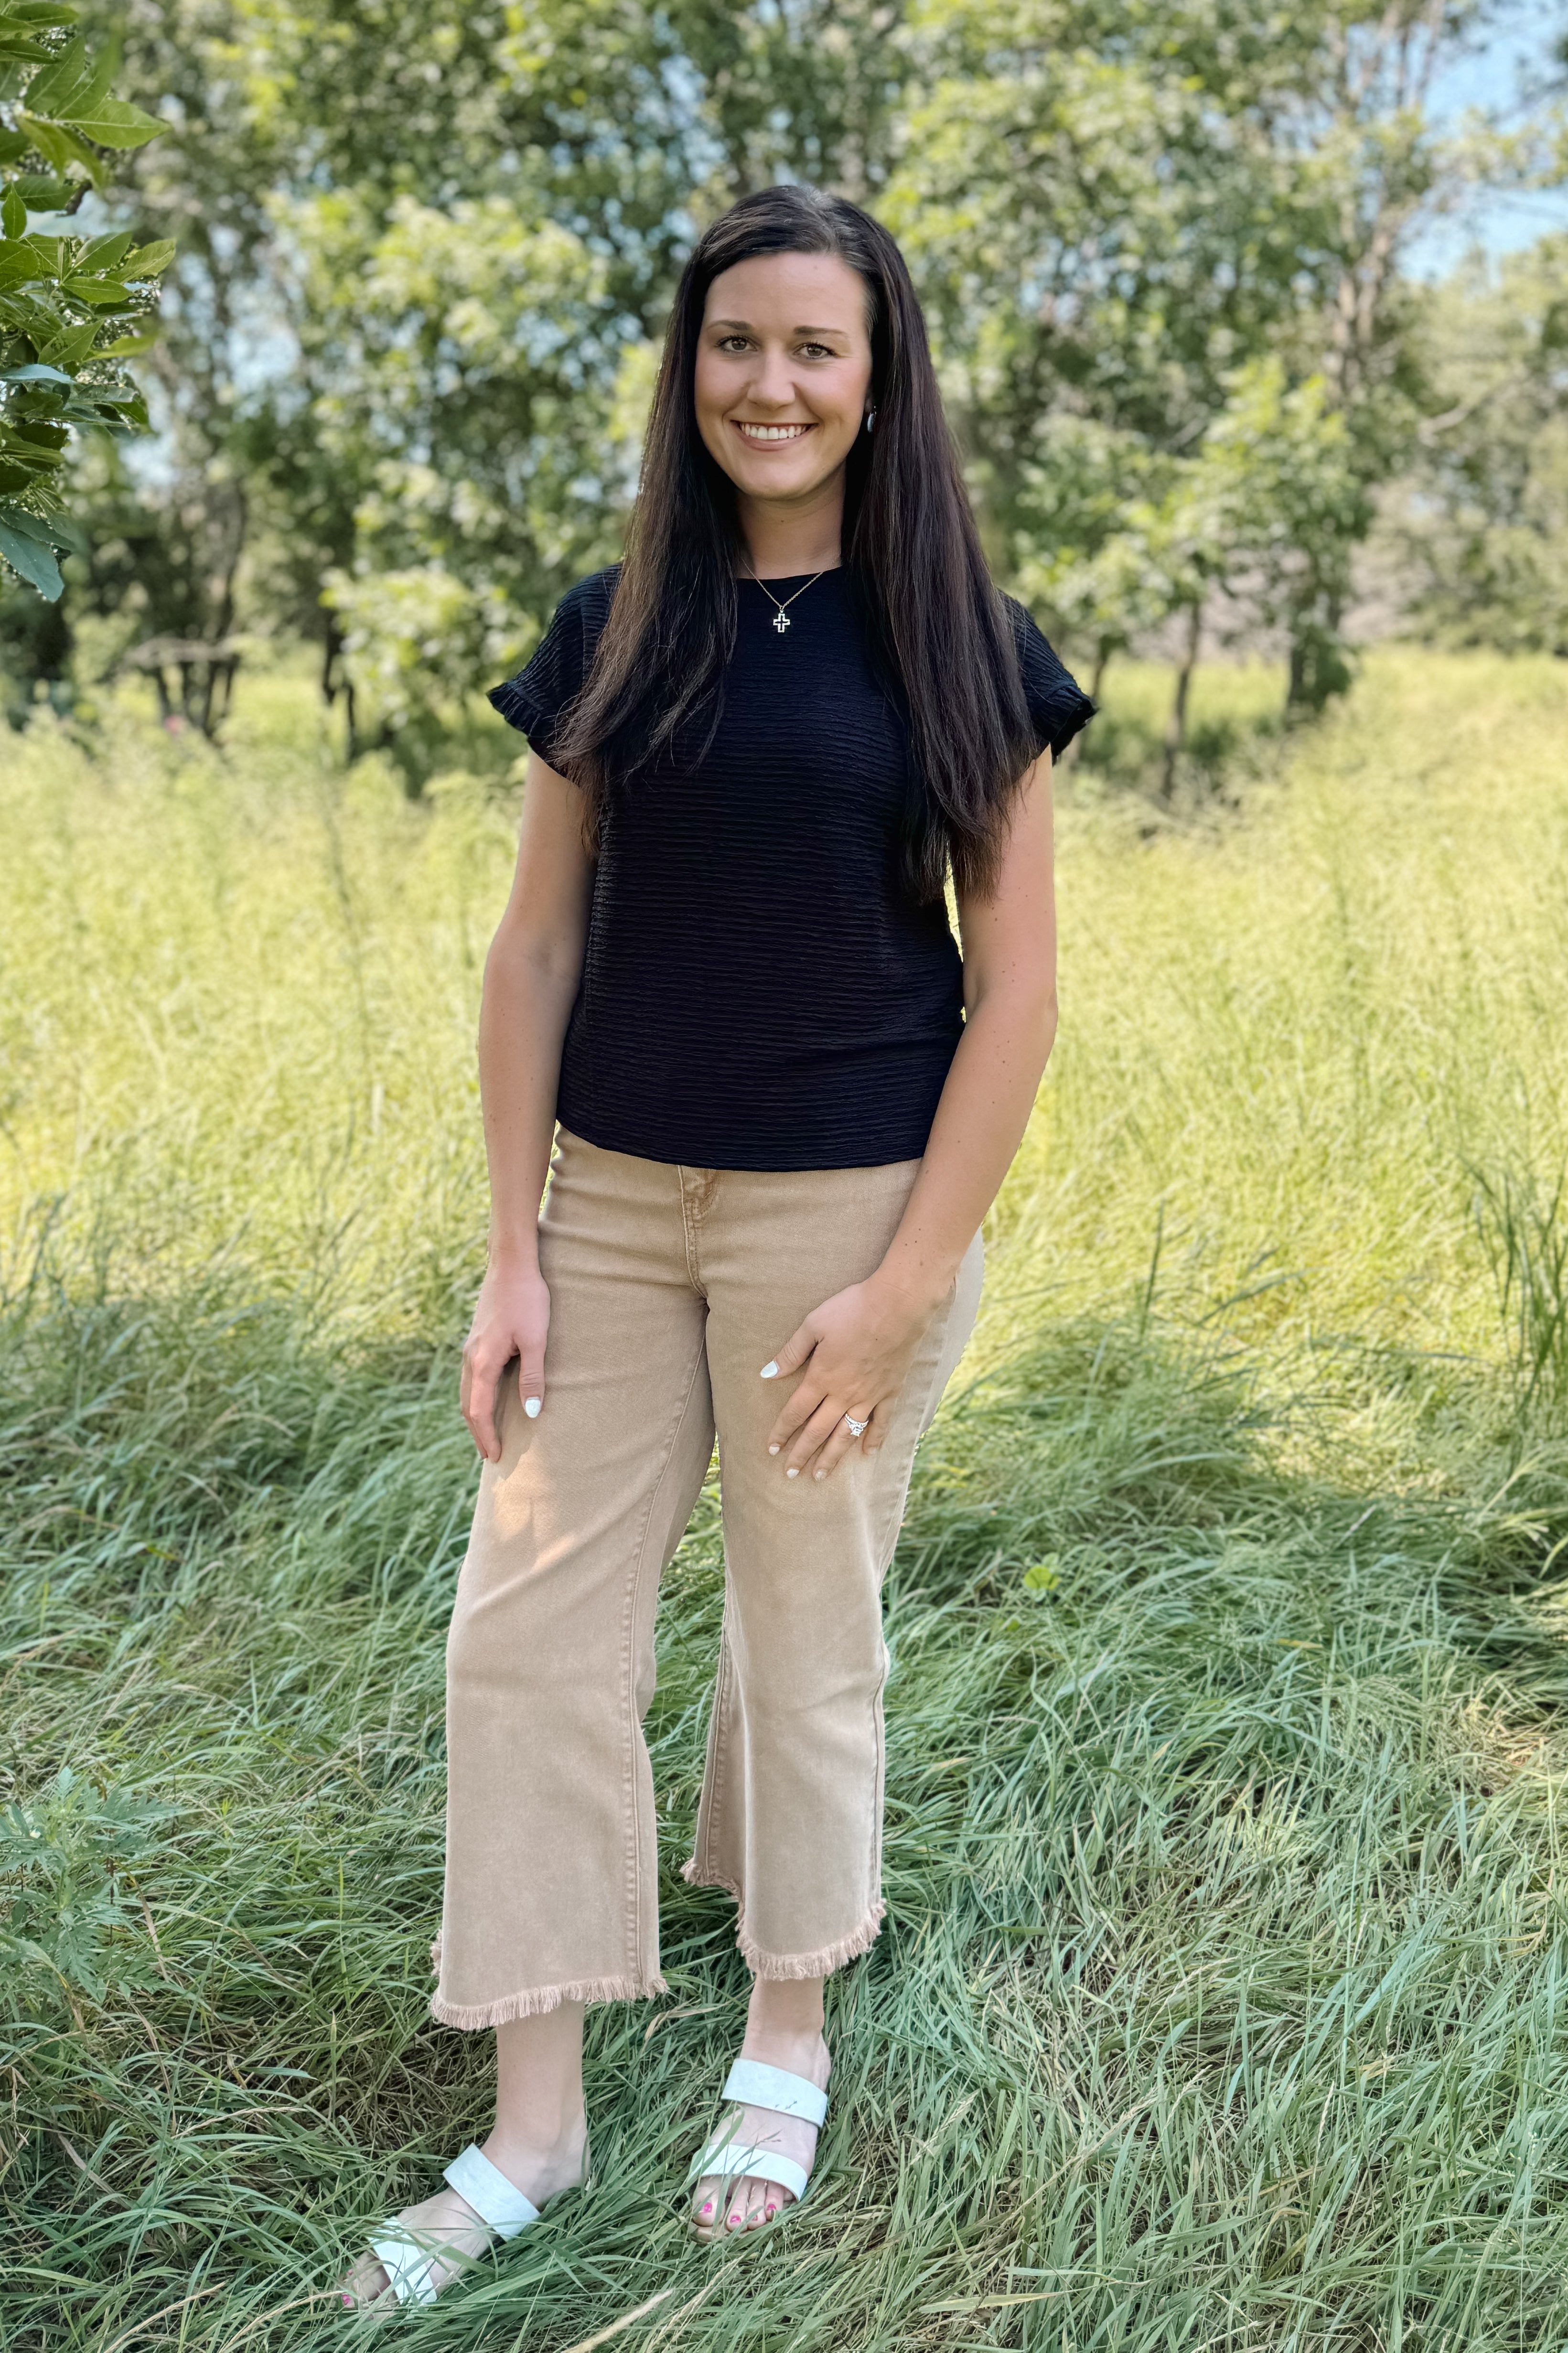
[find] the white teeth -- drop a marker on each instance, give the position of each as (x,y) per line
(774,432)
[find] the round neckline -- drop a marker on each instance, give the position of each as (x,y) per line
(777,579)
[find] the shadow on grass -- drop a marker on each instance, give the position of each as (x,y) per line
(1220,1998)
(1125,752)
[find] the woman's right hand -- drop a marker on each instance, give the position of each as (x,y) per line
(512,1318)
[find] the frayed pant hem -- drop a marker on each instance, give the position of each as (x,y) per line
(777,1968)
(536,2000)
(773,1968)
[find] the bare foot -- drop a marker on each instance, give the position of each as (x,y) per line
(721,2207)
(449,2224)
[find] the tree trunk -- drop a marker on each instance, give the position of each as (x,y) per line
(1177,725)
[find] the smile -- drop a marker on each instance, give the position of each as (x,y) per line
(771,432)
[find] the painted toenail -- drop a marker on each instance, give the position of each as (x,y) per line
(772,2211)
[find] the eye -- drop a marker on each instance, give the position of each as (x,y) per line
(731,343)
(818,352)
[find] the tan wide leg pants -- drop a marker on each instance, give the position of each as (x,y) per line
(670,1288)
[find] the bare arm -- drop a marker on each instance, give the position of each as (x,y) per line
(861,1342)
(531,980)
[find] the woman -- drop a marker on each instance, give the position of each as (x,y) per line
(757,750)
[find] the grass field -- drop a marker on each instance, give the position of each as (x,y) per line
(1224,1997)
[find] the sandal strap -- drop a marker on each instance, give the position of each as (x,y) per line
(731,2160)
(499,2203)
(409,2266)
(759,2086)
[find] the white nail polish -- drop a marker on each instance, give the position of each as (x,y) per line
(531,1407)
(772,1450)
(770,1372)
(819,1474)
(791,1472)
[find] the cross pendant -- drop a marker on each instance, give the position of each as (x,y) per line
(781,622)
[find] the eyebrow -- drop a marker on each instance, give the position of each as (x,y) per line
(793,331)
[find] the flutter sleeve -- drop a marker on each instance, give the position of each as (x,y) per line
(1058,704)
(537,700)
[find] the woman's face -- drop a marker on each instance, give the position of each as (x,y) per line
(784,371)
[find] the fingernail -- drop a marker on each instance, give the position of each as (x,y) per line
(770,1372)
(791,1472)
(772,1450)
(531,1407)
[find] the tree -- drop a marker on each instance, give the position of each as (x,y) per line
(1386,169)
(426,334)
(1120,211)
(1480,523)
(427,246)
(72,309)
(423,247)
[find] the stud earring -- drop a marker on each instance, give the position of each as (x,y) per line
(870,420)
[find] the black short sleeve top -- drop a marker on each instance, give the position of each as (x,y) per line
(760,990)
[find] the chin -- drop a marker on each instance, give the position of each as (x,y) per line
(768,474)
(772,480)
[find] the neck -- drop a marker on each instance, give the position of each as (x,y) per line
(786,536)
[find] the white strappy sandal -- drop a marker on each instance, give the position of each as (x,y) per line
(754,2085)
(409,2257)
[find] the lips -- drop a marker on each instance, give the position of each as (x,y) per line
(770,437)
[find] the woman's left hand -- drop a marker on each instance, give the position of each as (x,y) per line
(855,1350)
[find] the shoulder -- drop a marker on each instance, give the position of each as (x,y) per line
(1027,634)
(536,699)
(578,620)
(589,600)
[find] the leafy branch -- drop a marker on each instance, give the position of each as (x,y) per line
(72,309)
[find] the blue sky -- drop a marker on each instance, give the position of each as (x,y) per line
(1516,50)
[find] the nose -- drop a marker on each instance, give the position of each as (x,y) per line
(773,383)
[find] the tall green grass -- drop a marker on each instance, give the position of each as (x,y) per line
(1223,1998)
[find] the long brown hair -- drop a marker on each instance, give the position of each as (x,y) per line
(938,633)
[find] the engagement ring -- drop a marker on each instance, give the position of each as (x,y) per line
(857,1428)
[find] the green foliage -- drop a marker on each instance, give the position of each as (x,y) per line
(1269,495)
(65,1909)
(71,308)
(425,250)
(459,228)
(424,327)
(1479,524)
(1155,238)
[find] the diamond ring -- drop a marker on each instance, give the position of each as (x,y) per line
(857,1428)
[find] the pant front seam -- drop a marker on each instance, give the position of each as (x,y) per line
(886,1550)
(628,1664)
(718,1757)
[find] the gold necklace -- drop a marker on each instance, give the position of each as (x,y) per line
(781,614)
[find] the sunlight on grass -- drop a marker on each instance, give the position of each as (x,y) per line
(1221,1999)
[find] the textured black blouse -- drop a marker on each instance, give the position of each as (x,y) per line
(759,990)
